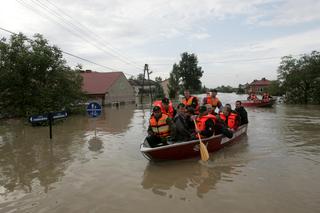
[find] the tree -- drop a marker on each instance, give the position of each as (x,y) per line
(190,72)
(300,78)
(174,82)
(34,77)
(275,89)
(159,93)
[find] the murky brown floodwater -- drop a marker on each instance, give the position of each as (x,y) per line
(275,168)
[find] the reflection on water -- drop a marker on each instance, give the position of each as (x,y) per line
(160,178)
(113,120)
(274,169)
(95,144)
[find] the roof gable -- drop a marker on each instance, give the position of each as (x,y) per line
(262,82)
(98,82)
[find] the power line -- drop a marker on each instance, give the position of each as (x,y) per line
(229,61)
(73,55)
(73,28)
(91,32)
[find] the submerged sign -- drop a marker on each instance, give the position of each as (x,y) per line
(50,117)
(94,109)
(45,117)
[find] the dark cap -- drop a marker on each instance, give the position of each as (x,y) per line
(190,110)
(202,109)
(156,109)
(165,100)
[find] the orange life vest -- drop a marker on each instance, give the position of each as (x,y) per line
(213,102)
(265,97)
(170,111)
(189,103)
(160,127)
(201,122)
(253,97)
(232,119)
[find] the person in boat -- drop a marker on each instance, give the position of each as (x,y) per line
(266,97)
(191,101)
(242,112)
(229,118)
(210,109)
(190,116)
(238,118)
(166,107)
(205,123)
(161,128)
(252,97)
(213,100)
(183,131)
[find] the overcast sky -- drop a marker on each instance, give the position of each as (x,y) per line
(235,41)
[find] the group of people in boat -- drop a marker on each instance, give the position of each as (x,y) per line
(168,124)
(265,97)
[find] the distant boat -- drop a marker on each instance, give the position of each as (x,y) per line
(258,103)
(189,149)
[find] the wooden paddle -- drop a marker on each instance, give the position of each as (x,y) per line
(203,149)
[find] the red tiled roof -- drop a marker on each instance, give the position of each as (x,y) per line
(98,82)
(262,82)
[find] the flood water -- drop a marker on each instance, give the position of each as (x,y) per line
(274,168)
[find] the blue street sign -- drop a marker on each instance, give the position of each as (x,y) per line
(38,118)
(57,115)
(94,109)
(45,117)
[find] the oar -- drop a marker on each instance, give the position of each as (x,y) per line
(203,149)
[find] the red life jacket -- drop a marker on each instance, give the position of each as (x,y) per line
(201,122)
(213,102)
(170,111)
(265,98)
(160,127)
(232,119)
(189,103)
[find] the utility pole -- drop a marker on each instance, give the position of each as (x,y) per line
(148,72)
(150,89)
(142,90)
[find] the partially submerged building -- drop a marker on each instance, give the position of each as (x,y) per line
(107,88)
(259,86)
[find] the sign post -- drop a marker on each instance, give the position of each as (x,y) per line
(49,117)
(94,110)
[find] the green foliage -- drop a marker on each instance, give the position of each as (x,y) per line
(158,93)
(185,75)
(300,78)
(226,89)
(34,78)
(190,72)
(174,82)
(204,89)
(274,89)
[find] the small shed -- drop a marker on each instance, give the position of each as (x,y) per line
(107,88)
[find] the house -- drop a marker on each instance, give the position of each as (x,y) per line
(259,86)
(107,88)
